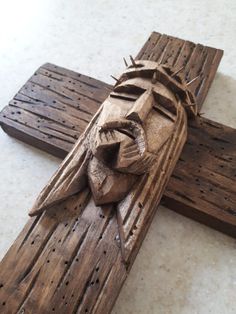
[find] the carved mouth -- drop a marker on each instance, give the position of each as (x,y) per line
(108,153)
(130,128)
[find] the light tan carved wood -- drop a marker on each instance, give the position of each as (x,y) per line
(54,106)
(95,211)
(125,139)
(81,253)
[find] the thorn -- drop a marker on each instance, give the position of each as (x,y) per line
(176,72)
(189,100)
(126,64)
(132,60)
(188,93)
(114,78)
(191,105)
(200,114)
(193,80)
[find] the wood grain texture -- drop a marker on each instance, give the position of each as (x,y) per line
(51,118)
(42,270)
(65,261)
(191,60)
(124,139)
(75,256)
(202,186)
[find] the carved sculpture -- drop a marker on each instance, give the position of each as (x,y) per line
(125,140)
(52,117)
(125,156)
(74,257)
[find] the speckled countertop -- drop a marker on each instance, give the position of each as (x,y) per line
(183,267)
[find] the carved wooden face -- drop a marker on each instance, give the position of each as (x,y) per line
(124,139)
(136,121)
(120,144)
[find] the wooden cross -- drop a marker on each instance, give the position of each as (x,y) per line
(73,256)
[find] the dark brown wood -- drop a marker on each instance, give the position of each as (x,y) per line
(52,118)
(124,140)
(75,256)
(202,186)
(64,261)
(190,60)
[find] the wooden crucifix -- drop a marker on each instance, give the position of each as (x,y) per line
(54,107)
(89,221)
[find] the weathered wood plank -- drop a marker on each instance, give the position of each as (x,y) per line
(75,256)
(194,60)
(52,122)
(206,173)
(45,273)
(42,270)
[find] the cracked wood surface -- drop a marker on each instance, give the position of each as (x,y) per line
(65,261)
(48,251)
(52,116)
(75,256)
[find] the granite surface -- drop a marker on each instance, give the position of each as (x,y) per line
(183,267)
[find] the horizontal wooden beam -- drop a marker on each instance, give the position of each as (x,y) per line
(94,213)
(55,105)
(74,258)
